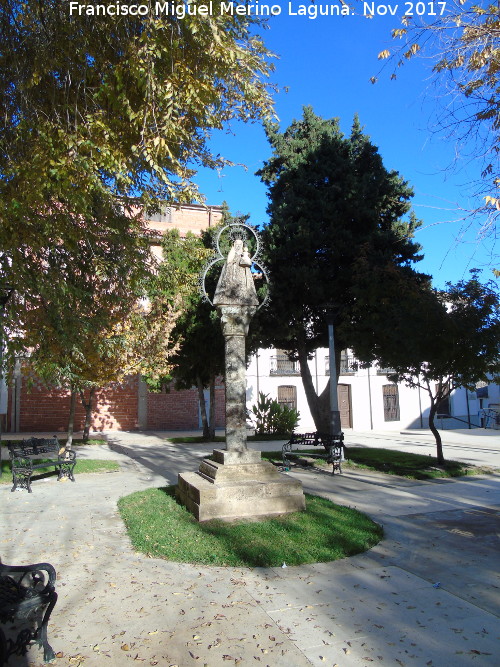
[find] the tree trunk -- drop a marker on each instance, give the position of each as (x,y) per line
(436,434)
(211,426)
(87,406)
(318,405)
(432,413)
(203,408)
(71,421)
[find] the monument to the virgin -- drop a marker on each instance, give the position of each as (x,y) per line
(235,482)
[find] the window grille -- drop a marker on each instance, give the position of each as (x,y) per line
(281,364)
(287,395)
(444,405)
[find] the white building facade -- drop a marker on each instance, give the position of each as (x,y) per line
(367,399)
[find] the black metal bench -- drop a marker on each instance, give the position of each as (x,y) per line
(332,445)
(27,598)
(34,453)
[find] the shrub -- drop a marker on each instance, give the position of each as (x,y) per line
(272,417)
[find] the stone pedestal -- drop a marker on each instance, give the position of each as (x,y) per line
(231,485)
(235,482)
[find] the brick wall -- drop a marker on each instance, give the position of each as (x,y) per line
(173,410)
(180,410)
(45,408)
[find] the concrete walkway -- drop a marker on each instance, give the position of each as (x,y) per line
(428,594)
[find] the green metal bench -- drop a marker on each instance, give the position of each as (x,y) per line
(332,445)
(27,598)
(32,454)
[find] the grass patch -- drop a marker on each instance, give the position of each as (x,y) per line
(83,466)
(404,464)
(91,441)
(159,527)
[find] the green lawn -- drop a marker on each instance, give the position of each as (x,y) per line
(405,464)
(82,466)
(158,526)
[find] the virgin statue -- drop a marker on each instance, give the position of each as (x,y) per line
(236,285)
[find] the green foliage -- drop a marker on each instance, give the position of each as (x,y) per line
(332,204)
(121,105)
(331,201)
(272,417)
(161,528)
(443,340)
(462,45)
(75,297)
(100,120)
(451,336)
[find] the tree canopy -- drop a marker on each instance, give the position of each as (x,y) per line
(101,112)
(444,340)
(102,118)
(334,209)
(460,39)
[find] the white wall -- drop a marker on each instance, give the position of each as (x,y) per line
(367,408)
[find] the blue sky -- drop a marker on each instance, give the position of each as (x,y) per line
(327,63)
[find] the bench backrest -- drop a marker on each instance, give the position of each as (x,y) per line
(323,439)
(34,447)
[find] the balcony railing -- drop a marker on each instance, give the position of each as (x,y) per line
(348,365)
(281,365)
(385,371)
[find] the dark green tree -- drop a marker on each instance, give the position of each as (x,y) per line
(200,359)
(332,202)
(439,341)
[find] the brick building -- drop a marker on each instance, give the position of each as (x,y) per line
(35,407)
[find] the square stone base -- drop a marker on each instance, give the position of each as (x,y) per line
(238,490)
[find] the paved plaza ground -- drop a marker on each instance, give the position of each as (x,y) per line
(428,594)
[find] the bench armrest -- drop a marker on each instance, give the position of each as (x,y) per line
(67,455)
(39,577)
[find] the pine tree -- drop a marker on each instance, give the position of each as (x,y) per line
(331,203)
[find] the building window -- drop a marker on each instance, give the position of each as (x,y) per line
(281,364)
(165,215)
(391,402)
(348,364)
(287,395)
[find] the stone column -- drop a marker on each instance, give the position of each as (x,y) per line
(235,482)
(235,321)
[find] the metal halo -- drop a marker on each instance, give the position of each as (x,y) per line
(266,277)
(204,275)
(238,224)
(220,257)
